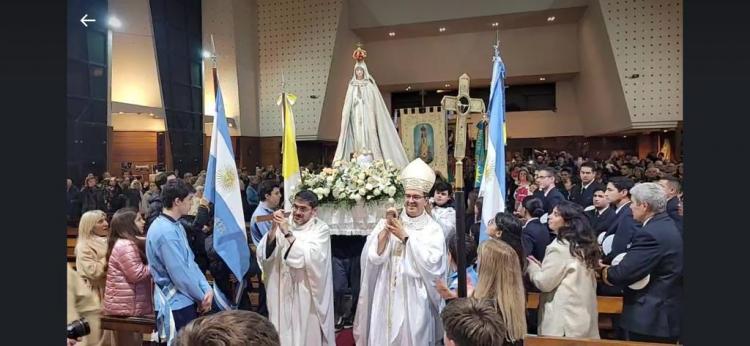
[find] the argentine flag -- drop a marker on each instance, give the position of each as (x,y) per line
(223,190)
(493,179)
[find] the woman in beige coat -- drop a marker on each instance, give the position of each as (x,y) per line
(566,277)
(91,250)
(91,258)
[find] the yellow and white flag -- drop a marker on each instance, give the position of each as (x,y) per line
(290,161)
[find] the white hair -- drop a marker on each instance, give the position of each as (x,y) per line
(650,194)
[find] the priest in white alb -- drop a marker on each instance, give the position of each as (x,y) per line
(404,255)
(296,260)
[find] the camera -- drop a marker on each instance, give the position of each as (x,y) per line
(78,328)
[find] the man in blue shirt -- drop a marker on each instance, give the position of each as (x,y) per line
(180,284)
(270,197)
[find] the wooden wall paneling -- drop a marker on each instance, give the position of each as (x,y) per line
(270,151)
(136,147)
(250,153)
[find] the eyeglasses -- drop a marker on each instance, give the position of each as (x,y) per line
(301,208)
(543,176)
(413,197)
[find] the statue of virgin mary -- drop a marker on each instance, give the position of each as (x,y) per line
(366,125)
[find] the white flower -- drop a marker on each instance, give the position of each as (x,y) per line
(376,192)
(362,191)
(391,200)
(361,176)
(369,187)
(391,190)
(355,197)
(360,182)
(329,179)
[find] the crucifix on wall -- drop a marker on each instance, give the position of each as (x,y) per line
(463,105)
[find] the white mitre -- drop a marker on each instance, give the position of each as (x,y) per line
(417,175)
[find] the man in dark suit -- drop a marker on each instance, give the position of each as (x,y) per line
(672,189)
(550,196)
(624,227)
(583,194)
(601,216)
(652,270)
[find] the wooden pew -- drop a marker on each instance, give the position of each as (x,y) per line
(533,340)
(144,325)
(604,304)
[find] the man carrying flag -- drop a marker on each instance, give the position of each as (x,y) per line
(493,180)
(295,256)
(223,190)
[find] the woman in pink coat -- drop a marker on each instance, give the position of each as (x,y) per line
(128,288)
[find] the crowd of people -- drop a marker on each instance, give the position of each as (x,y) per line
(573,229)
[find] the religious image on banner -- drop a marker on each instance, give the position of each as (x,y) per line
(366,123)
(424,135)
(424,142)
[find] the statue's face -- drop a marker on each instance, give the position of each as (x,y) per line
(359,73)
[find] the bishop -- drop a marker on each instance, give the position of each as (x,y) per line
(403,256)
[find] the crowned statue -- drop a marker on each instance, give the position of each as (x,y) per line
(366,125)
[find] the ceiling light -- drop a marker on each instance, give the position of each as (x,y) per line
(495,24)
(120,112)
(206,54)
(665,131)
(408,88)
(551,18)
(231,125)
(442,29)
(624,136)
(113,22)
(151,114)
(391,34)
(447,85)
(542,78)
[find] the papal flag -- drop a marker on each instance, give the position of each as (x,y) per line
(223,190)
(493,179)
(290,161)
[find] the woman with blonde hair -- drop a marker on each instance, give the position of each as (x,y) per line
(91,249)
(500,279)
(91,257)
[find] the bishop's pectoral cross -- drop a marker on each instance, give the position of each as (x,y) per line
(463,105)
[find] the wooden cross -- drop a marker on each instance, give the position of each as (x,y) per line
(462,104)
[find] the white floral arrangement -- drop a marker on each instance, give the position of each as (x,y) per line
(348,183)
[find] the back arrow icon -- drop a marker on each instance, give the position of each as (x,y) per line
(84,20)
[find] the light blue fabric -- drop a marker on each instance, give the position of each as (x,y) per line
(259,229)
(223,190)
(172,263)
(471,275)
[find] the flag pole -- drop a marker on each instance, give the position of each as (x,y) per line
(283,111)
(214,67)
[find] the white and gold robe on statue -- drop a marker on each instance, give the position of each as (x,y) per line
(398,303)
(299,286)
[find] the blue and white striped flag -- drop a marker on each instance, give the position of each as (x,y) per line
(493,179)
(223,190)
